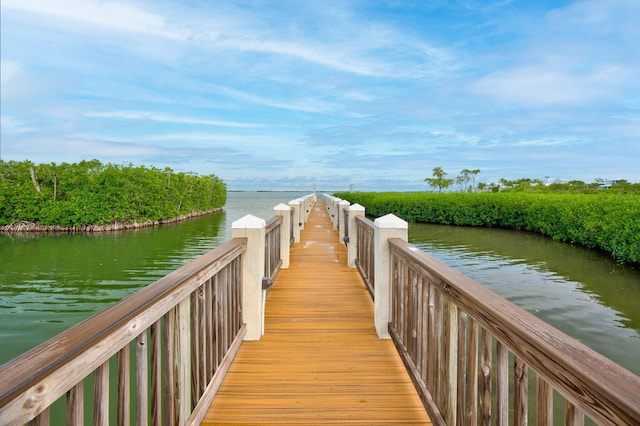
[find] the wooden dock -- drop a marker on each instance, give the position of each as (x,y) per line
(320,360)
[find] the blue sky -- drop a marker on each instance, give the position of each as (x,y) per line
(285,94)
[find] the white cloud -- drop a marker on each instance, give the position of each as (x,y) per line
(152,116)
(104,14)
(11,125)
(550,84)
(319,54)
(347,89)
(279,143)
(597,17)
(550,141)
(307,104)
(9,70)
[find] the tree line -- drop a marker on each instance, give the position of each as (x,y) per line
(606,220)
(466,182)
(71,195)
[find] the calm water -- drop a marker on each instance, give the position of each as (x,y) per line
(51,282)
(579,291)
(48,283)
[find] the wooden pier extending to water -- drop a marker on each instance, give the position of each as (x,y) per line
(316,316)
(320,360)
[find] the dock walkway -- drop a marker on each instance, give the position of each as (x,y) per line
(320,360)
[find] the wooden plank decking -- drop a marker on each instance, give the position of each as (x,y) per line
(319,361)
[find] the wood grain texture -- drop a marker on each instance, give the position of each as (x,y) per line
(599,388)
(320,360)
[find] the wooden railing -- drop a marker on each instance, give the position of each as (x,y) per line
(365,260)
(474,356)
(272,259)
(178,336)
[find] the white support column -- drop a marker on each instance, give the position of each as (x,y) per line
(307,208)
(311,199)
(295,206)
(285,243)
(335,211)
(342,225)
(301,213)
(385,227)
(252,228)
(326,199)
(354,210)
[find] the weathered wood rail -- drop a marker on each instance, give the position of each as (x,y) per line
(181,331)
(473,355)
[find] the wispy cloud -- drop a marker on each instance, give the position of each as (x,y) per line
(111,15)
(307,105)
(548,84)
(9,70)
(310,52)
(11,125)
(338,92)
(162,118)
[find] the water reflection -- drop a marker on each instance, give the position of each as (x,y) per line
(579,291)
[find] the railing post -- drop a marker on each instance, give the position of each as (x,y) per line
(182,360)
(252,228)
(295,206)
(308,205)
(385,227)
(334,212)
(342,206)
(285,212)
(302,212)
(326,199)
(352,247)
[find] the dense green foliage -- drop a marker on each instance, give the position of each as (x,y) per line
(608,221)
(92,193)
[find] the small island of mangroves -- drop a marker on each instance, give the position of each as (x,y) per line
(603,220)
(92,196)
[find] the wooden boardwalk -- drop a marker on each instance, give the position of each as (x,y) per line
(319,361)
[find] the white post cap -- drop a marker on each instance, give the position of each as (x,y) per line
(282,207)
(390,221)
(250,222)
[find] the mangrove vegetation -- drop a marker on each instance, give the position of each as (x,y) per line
(604,220)
(92,196)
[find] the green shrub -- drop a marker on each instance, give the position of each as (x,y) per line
(92,193)
(603,220)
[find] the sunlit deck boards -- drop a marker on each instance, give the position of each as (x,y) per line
(320,361)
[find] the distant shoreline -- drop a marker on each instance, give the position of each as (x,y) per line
(27,227)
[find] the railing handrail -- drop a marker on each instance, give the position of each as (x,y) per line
(129,317)
(272,224)
(603,389)
(365,221)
